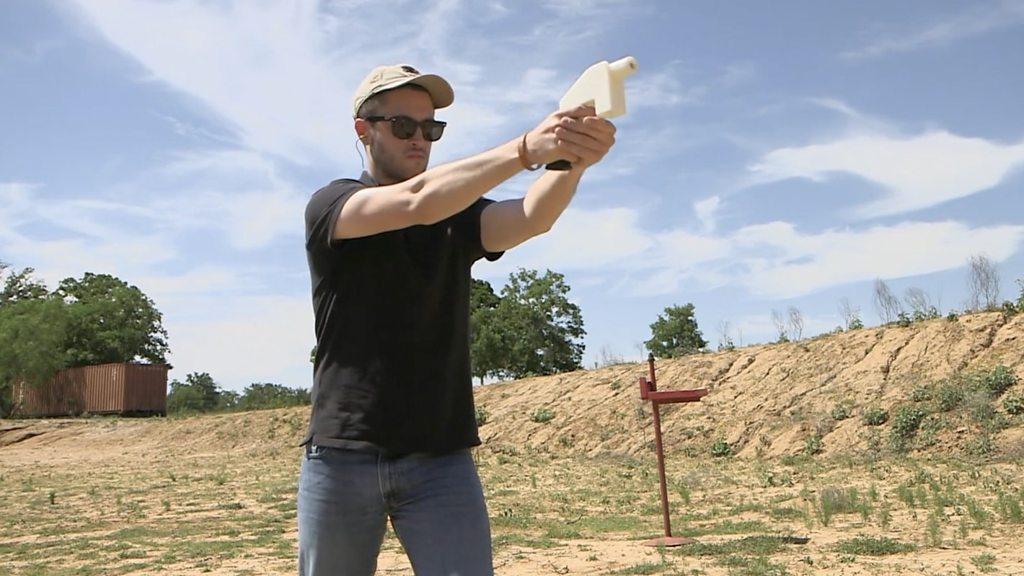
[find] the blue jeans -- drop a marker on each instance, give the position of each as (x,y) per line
(435,502)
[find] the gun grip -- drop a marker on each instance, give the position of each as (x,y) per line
(559,165)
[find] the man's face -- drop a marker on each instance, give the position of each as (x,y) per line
(398,160)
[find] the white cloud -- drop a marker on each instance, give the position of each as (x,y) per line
(580,239)
(675,85)
(707,212)
(772,260)
(262,68)
(14,202)
(797,264)
(916,172)
(246,340)
(975,21)
(240,194)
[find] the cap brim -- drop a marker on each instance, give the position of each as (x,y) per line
(441,93)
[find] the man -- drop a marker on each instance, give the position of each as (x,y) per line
(389,257)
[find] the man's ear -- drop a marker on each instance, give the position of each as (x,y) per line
(362,130)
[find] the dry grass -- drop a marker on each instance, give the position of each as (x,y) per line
(115,496)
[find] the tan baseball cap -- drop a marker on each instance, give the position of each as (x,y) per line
(384,78)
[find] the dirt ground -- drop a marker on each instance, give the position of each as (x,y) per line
(216,494)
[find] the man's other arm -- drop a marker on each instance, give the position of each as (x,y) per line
(509,223)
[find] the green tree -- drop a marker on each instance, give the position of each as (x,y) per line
(263,395)
(19,286)
(199,393)
(538,329)
(32,336)
(111,321)
(675,333)
(485,333)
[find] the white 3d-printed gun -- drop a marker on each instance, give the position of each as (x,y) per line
(602,86)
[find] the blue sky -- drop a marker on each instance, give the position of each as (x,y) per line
(775,154)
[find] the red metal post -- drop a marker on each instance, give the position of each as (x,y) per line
(649,391)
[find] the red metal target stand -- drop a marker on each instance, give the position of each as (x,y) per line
(649,391)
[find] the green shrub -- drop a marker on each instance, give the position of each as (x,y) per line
(921,393)
(875,416)
(948,396)
(907,420)
(542,416)
(903,320)
(984,561)
(833,501)
(481,416)
(841,411)
(998,380)
(813,445)
(868,546)
(721,448)
(1014,404)
(904,426)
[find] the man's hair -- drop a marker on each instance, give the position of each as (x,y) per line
(373,104)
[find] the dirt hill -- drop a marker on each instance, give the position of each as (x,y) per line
(569,472)
(767,400)
(774,400)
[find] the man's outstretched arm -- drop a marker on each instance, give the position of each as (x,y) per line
(450,188)
(511,222)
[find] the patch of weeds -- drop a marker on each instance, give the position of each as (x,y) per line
(875,416)
(984,561)
(980,445)
(542,416)
(757,566)
(683,491)
(813,445)
(871,546)
(725,527)
(904,426)
(1009,508)
(721,448)
(921,393)
(1014,404)
(481,415)
(983,412)
(785,513)
(929,430)
(842,410)
(884,516)
(645,568)
(949,395)
(998,380)
(832,501)
(521,541)
(933,529)
(768,478)
(977,512)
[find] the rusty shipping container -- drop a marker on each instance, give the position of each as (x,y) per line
(101,389)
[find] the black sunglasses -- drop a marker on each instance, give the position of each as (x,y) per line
(404,127)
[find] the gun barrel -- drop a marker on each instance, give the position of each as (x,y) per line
(622,67)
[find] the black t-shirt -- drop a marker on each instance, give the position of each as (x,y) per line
(391,370)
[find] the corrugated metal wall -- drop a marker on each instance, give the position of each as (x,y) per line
(146,388)
(101,389)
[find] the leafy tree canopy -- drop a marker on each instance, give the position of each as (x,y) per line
(111,321)
(531,329)
(675,333)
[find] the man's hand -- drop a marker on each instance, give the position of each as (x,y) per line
(577,135)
